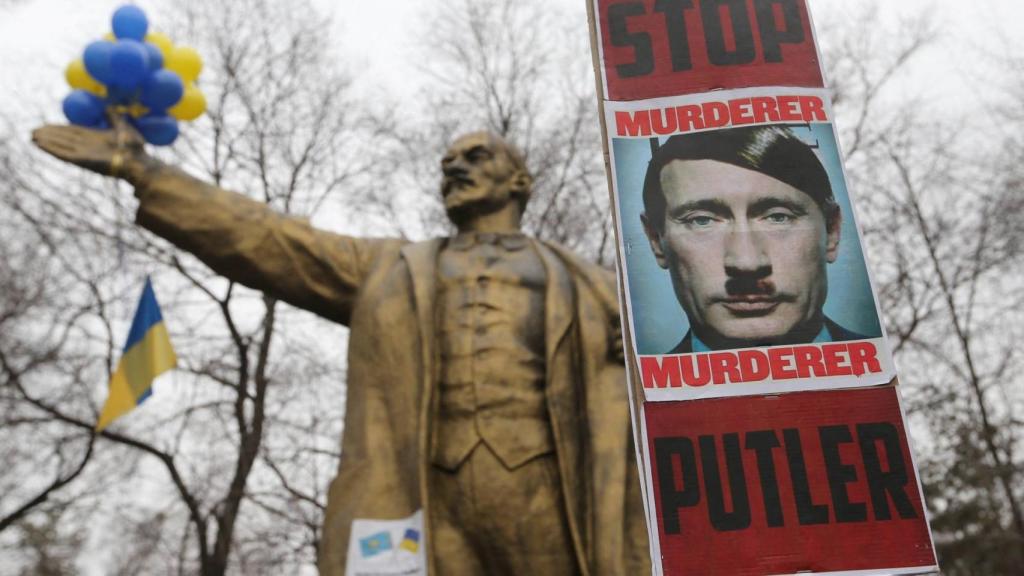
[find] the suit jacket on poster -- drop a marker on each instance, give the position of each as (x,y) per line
(835,331)
(384,290)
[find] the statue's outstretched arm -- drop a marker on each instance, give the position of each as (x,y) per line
(237,237)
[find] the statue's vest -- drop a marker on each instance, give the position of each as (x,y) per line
(491,311)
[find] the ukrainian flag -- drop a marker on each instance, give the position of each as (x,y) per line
(147,354)
(411,541)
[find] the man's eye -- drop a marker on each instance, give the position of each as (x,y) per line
(699,221)
(779,217)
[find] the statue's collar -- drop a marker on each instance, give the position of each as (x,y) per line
(511,241)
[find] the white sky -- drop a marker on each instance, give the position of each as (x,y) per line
(377,40)
(948,74)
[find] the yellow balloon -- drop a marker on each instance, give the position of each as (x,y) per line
(97,89)
(161,41)
(109,37)
(186,62)
(191,106)
(78,78)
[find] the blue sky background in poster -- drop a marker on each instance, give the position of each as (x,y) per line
(659,322)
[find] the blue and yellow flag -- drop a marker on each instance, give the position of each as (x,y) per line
(411,540)
(147,354)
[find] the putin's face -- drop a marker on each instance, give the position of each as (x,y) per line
(746,253)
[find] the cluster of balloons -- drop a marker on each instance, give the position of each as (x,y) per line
(139,74)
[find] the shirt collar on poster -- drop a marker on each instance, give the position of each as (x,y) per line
(699,346)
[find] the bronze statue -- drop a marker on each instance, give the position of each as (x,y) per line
(486,389)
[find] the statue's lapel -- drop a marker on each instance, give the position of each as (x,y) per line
(558,300)
(564,381)
(421,258)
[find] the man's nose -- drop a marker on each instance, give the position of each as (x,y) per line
(454,168)
(745,254)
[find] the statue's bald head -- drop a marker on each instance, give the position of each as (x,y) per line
(482,168)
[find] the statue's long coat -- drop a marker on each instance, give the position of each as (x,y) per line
(384,290)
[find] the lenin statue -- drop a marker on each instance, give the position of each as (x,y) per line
(486,393)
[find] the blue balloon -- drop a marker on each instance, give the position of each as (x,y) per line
(83,108)
(120,95)
(97,60)
(129,23)
(129,64)
(161,90)
(158,129)
(156,57)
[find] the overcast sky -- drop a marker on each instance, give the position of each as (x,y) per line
(377,40)
(383,34)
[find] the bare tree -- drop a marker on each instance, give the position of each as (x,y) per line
(933,202)
(227,494)
(22,295)
(518,69)
(54,344)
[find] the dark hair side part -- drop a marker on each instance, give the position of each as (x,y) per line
(774,151)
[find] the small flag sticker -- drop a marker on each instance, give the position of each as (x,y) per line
(375,544)
(411,541)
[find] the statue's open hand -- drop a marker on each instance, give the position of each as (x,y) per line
(109,152)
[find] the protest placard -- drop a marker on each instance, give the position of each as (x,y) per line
(759,368)
(809,482)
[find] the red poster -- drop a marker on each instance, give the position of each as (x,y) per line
(654,48)
(772,442)
(821,482)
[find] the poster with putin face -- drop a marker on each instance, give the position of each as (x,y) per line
(761,381)
(742,262)
(741,255)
